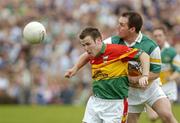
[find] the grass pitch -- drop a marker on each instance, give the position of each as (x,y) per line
(53,114)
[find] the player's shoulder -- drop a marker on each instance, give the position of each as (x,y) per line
(150,42)
(113,40)
(115,46)
(171,49)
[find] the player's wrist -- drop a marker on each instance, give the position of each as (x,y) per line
(145,75)
(76,68)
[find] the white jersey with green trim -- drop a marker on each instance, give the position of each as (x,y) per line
(146,44)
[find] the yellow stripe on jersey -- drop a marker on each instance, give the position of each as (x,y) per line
(113,70)
(104,64)
(152,60)
(128,53)
(114,60)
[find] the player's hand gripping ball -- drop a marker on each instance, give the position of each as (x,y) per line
(34,32)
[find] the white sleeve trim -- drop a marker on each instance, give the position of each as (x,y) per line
(108,41)
(176,60)
(156,55)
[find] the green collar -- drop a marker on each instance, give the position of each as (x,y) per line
(102,49)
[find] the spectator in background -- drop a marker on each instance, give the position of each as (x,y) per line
(63,19)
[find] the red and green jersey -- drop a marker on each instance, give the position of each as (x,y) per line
(109,71)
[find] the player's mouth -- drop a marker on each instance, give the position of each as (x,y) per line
(88,52)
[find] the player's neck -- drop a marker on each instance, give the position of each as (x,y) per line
(131,38)
(162,45)
(97,50)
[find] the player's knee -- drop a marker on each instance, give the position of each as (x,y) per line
(167,116)
(132,121)
(153,118)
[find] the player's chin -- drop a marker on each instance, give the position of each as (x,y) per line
(122,34)
(91,54)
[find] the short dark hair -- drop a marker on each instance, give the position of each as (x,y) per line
(134,20)
(90,31)
(162,28)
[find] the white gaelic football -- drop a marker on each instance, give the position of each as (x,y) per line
(34,32)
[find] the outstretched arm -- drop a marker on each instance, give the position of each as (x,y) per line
(153,76)
(83,59)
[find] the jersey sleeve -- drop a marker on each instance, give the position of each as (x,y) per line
(176,63)
(172,53)
(107,41)
(112,40)
(155,60)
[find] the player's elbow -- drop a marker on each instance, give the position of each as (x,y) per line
(145,57)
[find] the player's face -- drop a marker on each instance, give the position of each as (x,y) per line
(89,45)
(123,29)
(160,37)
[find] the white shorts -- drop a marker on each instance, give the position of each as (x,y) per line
(170,89)
(105,111)
(139,97)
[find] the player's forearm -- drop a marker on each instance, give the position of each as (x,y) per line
(83,59)
(145,61)
(153,76)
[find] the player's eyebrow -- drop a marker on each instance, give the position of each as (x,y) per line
(121,24)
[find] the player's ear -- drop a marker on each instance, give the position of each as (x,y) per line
(98,41)
(132,29)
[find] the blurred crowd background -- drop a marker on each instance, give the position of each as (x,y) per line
(34,74)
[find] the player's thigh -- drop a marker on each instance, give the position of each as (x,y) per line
(134,112)
(91,114)
(160,104)
(133,117)
(157,94)
(162,107)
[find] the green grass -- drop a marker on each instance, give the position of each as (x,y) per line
(52,114)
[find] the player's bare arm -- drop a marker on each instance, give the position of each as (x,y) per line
(145,61)
(153,76)
(83,59)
